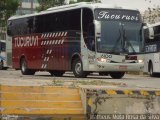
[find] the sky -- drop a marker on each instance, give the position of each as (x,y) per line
(142,5)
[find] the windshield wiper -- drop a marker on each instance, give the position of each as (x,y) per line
(124,42)
(128,42)
(117,41)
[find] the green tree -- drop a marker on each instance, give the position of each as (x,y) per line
(153,13)
(45,4)
(7,9)
(85,1)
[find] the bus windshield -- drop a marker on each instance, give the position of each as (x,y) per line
(121,31)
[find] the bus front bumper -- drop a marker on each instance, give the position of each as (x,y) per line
(126,67)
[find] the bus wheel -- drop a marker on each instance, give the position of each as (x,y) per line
(1,65)
(57,73)
(78,69)
(24,68)
(117,75)
(151,73)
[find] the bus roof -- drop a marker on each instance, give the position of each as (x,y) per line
(151,25)
(73,6)
(155,24)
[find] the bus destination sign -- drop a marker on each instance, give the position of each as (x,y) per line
(117,15)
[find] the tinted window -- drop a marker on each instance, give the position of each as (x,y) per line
(39,24)
(146,35)
(2,46)
(21,26)
(156,33)
(88,29)
(87,18)
(30,25)
(156,37)
(61,21)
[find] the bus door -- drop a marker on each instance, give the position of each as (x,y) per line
(88,36)
(89,52)
(157,42)
(156,62)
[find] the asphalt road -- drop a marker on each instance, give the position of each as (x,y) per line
(13,77)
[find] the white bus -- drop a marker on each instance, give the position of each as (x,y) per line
(3,64)
(82,37)
(152,49)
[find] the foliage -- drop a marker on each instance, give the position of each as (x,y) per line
(152,15)
(45,4)
(85,1)
(7,8)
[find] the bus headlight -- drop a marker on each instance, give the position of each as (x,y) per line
(140,61)
(102,60)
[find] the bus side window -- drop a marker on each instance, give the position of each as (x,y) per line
(30,25)
(88,29)
(146,35)
(2,46)
(157,33)
(39,24)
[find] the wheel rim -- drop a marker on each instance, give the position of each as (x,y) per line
(23,66)
(151,70)
(78,68)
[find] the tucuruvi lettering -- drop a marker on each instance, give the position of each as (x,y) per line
(27,41)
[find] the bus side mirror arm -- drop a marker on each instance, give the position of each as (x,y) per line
(97,26)
(151,33)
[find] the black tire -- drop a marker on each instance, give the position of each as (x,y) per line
(1,65)
(151,73)
(5,68)
(24,68)
(117,75)
(57,73)
(77,69)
